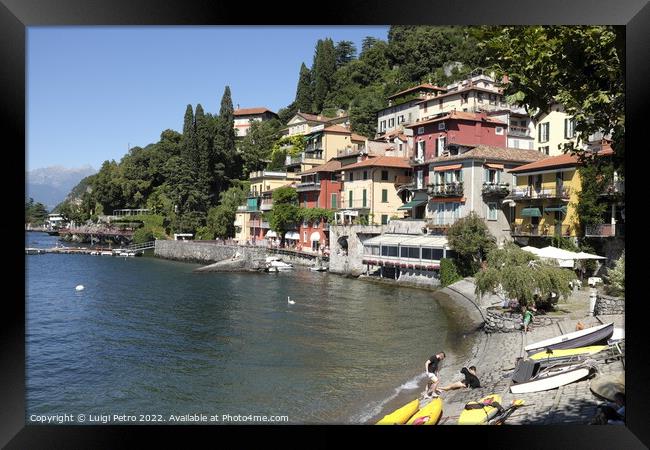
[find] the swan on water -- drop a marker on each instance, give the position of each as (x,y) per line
(80,287)
(291,302)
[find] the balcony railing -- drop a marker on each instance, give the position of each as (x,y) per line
(445,220)
(605,230)
(615,188)
(258,224)
(541,230)
(496,189)
(532,193)
(518,131)
(446,189)
(266,205)
(308,186)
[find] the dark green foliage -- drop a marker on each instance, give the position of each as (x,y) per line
(346,51)
(304,91)
(285,212)
(226,162)
(221,218)
(523,276)
(448,272)
(616,278)
(35,213)
(470,238)
(312,215)
(257,146)
(323,70)
(363,112)
(594,180)
(564,243)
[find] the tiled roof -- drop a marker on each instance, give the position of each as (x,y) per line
(248,111)
(492,153)
(557,161)
(330,166)
(381,161)
(458,115)
(337,129)
(314,118)
(421,86)
(357,137)
(467,89)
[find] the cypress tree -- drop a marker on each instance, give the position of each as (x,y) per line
(188,143)
(203,153)
(323,72)
(227,163)
(304,94)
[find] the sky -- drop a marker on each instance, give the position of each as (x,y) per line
(94,92)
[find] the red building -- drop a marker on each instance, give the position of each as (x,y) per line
(319,187)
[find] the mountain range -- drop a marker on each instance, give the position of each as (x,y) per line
(51,185)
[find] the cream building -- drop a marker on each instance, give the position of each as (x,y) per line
(552,129)
(370,190)
(322,144)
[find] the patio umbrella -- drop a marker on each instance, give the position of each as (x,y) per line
(585,255)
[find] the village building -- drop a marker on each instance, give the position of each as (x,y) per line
(244,117)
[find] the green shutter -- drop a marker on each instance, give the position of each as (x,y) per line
(333,201)
(364,198)
(566,128)
(384,195)
(350,198)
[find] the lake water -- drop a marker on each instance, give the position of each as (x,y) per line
(149,336)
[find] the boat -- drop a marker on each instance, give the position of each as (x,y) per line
(581,338)
(530,376)
(106,253)
(557,355)
(401,415)
(480,412)
(429,414)
(275,264)
(318,269)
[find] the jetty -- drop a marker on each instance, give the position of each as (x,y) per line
(131,250)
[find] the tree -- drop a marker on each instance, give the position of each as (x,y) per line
(523,276)
(221,218)
(256,147)
(204,151)
(363,111)
(580,67)
(470,238)
(345,51)
(35,213)
(188,142)
(226,162)
(285,212)
(323,70)
(304,93)
(616,277)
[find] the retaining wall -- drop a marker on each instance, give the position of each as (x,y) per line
(202,252)
(608,305)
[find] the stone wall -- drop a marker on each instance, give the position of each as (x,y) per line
(607,305)
(202,252)
(498,320)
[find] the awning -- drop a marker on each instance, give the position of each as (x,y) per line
(494,166)
(531,212)
(562,209)
(451,167)
(412,204)
(315,236)
(271,234)
(293,235)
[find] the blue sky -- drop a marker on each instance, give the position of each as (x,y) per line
(94,91)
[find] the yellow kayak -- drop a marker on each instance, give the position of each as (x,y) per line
(567,352)
(480,412)
(429,415)
(401,415)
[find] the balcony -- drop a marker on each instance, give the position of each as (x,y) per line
(266,205)
(541,231)
(242,208)
(403,179)
(518,131)
(446,190)
(532,193)
(615,188)
(308,186)
(416,160)
(258,224)
(605,230)
(496,189)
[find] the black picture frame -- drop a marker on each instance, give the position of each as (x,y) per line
(16,15)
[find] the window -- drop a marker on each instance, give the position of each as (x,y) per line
(365,174)
(400,146)
(439,103)
(492,175)
(441,126)
(419,179)
(371,250)
(463,98)
(543,130)
(425,106)
(569,128)
(498,130)
(350,199)
(364,198)
(391,122)
(384,175)
(432,254)
(410,252)
(479,97)
(420,130)
(544,150)
(400,119)
(442,141)
(493,99)
(334,201)
(382,127)
(420,154)
(304,236)
(492,211)
(351,176)
(388,250)
(384,195)
(384,219)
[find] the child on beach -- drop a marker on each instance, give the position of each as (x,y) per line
(432,368)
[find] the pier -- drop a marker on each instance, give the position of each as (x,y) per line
(131,250)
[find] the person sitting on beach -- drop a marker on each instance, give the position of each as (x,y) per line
(432,369)
(470,380)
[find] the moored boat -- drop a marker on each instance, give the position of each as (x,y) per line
(530,376)
(581,338)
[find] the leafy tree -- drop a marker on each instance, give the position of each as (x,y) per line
(256,147)
(226,161)
(594,180)
(107,187)
(221,218)
(523,276)
(580,67)
(323,70)
(205,156)
(188,143)
(367,43)
(470,238)
(363,112)
(288,145)
(35,213)
(285,212)
(448,272)
(345,51)
(304,91)
(315,214)
(616,277)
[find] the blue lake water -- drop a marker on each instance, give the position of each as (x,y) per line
(149,336)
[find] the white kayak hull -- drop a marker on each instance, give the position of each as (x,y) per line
(550,382)
(582,338)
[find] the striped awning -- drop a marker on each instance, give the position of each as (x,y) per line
(531,212)
(450,167)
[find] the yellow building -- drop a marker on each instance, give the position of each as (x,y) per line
(370,190)
(248,218)
(545,196)
(552,129)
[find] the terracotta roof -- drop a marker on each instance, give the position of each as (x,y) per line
(357,137)
(248,111)
(459,115)
(337,129)
(330,166)
(381,161)
(492,153)
(421,86)
(557,161)
(314,118)
(467,89)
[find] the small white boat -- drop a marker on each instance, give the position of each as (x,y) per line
(318,269)
(106,253)
(276,265)
(582,338)
(547,378)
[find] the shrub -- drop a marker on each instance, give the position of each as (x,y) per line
(448,272)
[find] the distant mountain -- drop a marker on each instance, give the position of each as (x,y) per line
(50,185)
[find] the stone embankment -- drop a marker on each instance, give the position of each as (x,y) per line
(608,305)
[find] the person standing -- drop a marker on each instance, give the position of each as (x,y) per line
(432,369)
